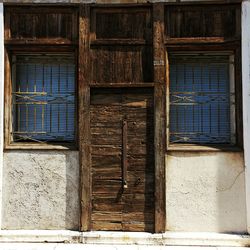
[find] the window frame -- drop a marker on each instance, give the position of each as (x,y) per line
(233,51)
(9,143)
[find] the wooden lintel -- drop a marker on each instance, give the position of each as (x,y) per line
(200,40)
(48,41)
(122,85)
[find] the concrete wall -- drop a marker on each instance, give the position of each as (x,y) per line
(40,190)
(206,192)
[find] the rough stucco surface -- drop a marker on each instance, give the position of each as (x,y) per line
(40,190)
(206,192)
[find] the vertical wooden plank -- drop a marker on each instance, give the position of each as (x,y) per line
(160,116)
(7,98)
(74,26)
(7,34)
(238,97)
(84,116)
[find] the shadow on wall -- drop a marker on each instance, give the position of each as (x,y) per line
(206,192)
(40,190)
(230,193)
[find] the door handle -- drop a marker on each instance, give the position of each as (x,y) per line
(124,153)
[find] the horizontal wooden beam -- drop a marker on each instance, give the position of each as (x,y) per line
(49,41)
(202,40)
(120,42)
(122,85)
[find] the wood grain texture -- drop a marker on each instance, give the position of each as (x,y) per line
(7,98)
(84,118)
(238,98)
(121,64)
(196,21)
(47,25)
(123,24)
(160,117)
(115,207)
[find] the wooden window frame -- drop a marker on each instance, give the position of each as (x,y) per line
(233,49)
(28,9)
(34,45)
(8,141)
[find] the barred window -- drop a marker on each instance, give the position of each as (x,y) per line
(43,97)
(202,99)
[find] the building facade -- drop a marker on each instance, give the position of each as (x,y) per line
(127,116)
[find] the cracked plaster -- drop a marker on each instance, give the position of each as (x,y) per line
(41,190)
(205,192)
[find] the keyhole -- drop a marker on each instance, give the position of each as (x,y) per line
(138,181)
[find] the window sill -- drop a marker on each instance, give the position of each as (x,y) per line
(42,146)
(204,148)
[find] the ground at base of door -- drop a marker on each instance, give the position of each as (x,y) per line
(65,246)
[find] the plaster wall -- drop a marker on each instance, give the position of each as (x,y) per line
(40,190)
(245,20)
(205,192)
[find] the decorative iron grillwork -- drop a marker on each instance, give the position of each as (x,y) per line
(43,98)
(201,99)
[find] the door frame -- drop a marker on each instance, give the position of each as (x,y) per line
(159,115)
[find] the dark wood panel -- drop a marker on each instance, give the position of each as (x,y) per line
(109,161)
(121,24)
(107,174)
(105,225)
(107,216)
(32,23)
(84,117)
(107,206)
(121,64)
(131,206)
(160,117)
(138,226)
(138,198)
(197,21)
(137,162)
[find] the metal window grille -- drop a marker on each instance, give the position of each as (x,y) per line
(201,99)
(43,98)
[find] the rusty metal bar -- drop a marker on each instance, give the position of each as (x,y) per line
(124,152)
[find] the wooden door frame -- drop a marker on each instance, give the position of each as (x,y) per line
(159,116)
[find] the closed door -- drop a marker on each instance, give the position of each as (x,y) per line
(122,158)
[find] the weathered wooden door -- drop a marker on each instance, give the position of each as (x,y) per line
(122,158)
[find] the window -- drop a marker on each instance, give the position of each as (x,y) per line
(202,99)
(43,98)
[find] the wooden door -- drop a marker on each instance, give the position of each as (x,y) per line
(122,159)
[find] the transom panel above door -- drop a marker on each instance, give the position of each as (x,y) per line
(122,159)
